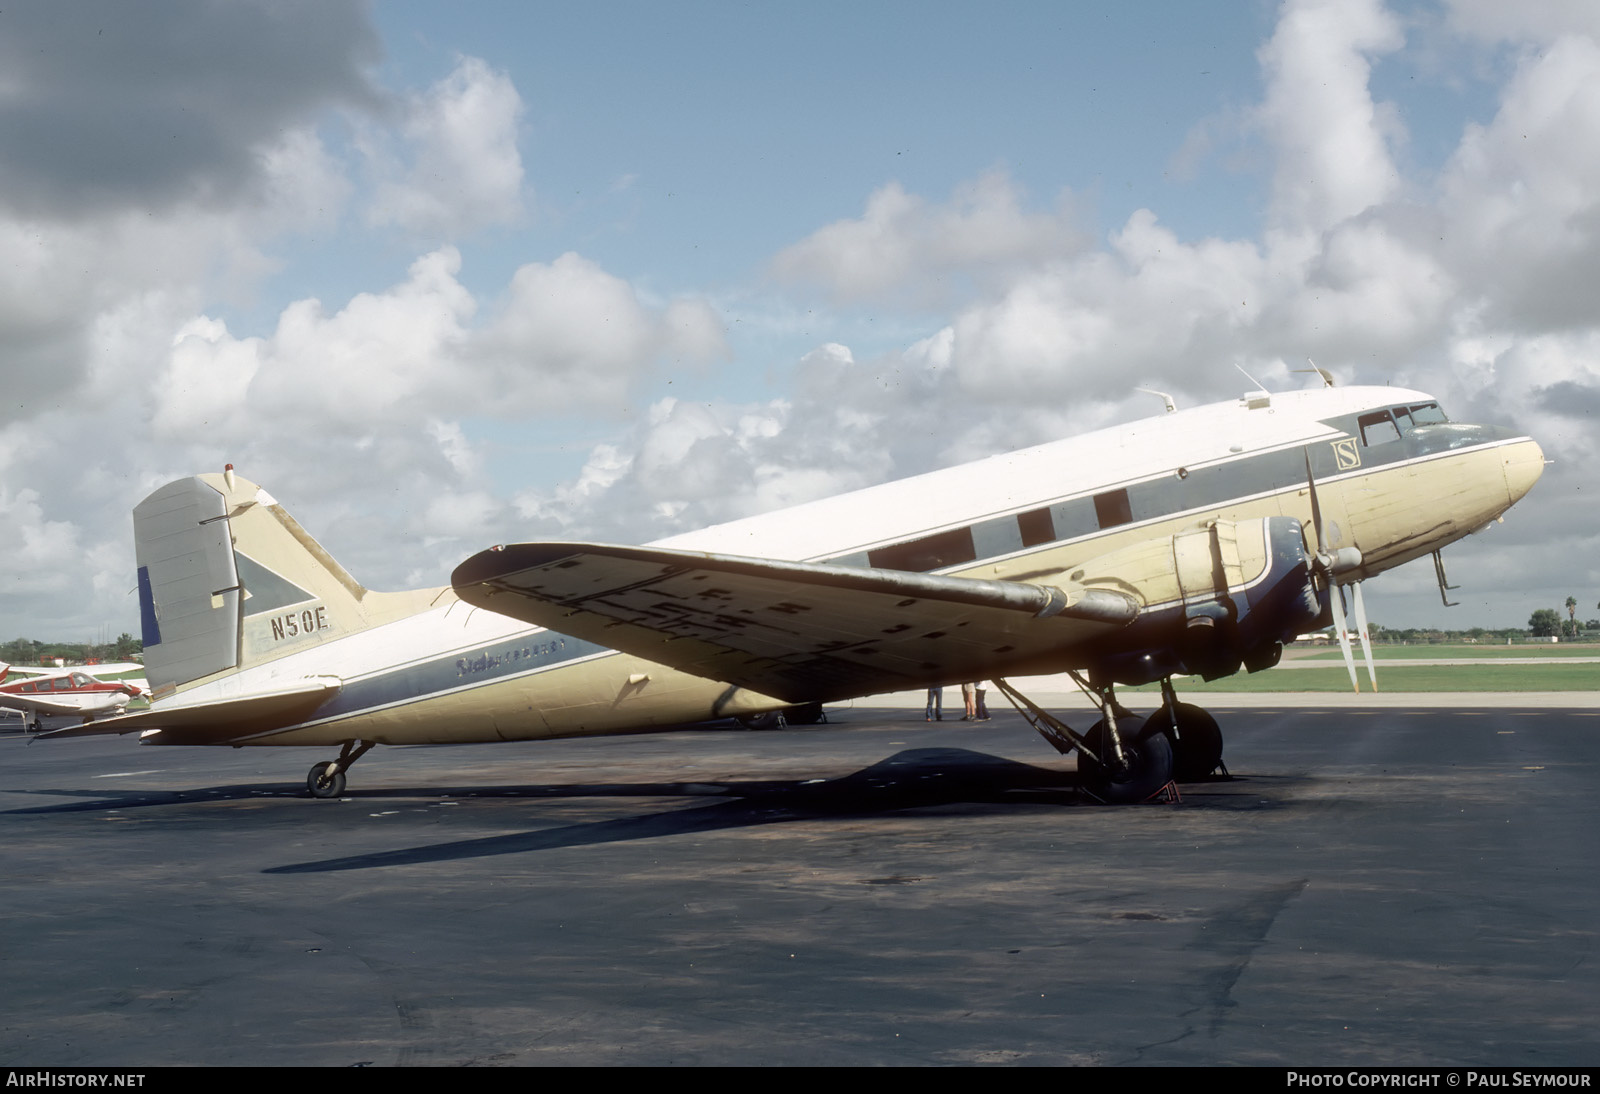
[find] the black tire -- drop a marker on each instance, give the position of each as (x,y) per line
(1196,744)
(772,719)
(318,788)
(1148,767)
(806,714)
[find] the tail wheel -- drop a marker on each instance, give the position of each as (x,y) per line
(1147,765)
(325,780)
(1196,740)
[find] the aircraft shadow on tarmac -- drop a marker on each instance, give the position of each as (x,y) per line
(912,779)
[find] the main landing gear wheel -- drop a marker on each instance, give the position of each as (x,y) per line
(806,714)
(1147,765)
(325,780)
(1196,740)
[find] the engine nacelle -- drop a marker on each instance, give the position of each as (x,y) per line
(1216,599)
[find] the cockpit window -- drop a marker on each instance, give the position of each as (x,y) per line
(1402,418)
(1378,428)
(1428,414)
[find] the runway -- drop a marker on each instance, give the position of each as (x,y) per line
(1375,885)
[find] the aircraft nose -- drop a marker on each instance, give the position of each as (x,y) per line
(1524,463)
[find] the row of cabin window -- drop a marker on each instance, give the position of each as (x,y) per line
(58,683)
(1033,528)
(1039,526)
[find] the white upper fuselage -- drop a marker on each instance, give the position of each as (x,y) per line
(1021,480)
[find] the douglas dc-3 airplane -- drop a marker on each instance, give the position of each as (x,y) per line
(1196,542)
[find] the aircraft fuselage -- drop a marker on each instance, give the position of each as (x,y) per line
(1394,479)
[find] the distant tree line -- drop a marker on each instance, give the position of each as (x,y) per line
(1547,622)
(1544,623)
(27,651)
(1437,635)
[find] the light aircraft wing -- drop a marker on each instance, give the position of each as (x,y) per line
(798,631)
(34,705)
(222,719)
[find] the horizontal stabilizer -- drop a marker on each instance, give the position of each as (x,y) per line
(219,720)
(796,630)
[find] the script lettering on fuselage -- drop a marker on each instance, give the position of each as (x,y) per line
(295,624)
(484,662)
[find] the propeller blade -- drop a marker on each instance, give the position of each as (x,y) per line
(1344,636)
(1316,508)
(1366,640)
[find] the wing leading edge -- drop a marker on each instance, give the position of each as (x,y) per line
(795,630)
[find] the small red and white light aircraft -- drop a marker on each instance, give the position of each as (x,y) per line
(68,693)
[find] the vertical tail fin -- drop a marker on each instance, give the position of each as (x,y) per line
(227,579)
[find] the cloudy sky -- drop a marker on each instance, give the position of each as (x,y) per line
(442,276)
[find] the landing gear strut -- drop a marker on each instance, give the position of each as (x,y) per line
(326,779)
(1120,759)
(1195,736)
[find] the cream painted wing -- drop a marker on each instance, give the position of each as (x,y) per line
(798,631)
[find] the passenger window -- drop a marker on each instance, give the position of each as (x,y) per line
(1378,428)
(1112,508)
(1036,527)
(61,683)
(933,552)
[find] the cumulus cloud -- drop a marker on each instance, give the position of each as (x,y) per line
(148,157)
(1520,192)
(37,544)
(379,391)
(106,105)
(687,465)
(1473,284)
(1331,141)
(365,410)
(458,167)
(1531,22)
(903,245)
(135,206)
(567,333)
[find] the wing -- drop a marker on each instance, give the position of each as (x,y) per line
(798,631)
(34,705)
